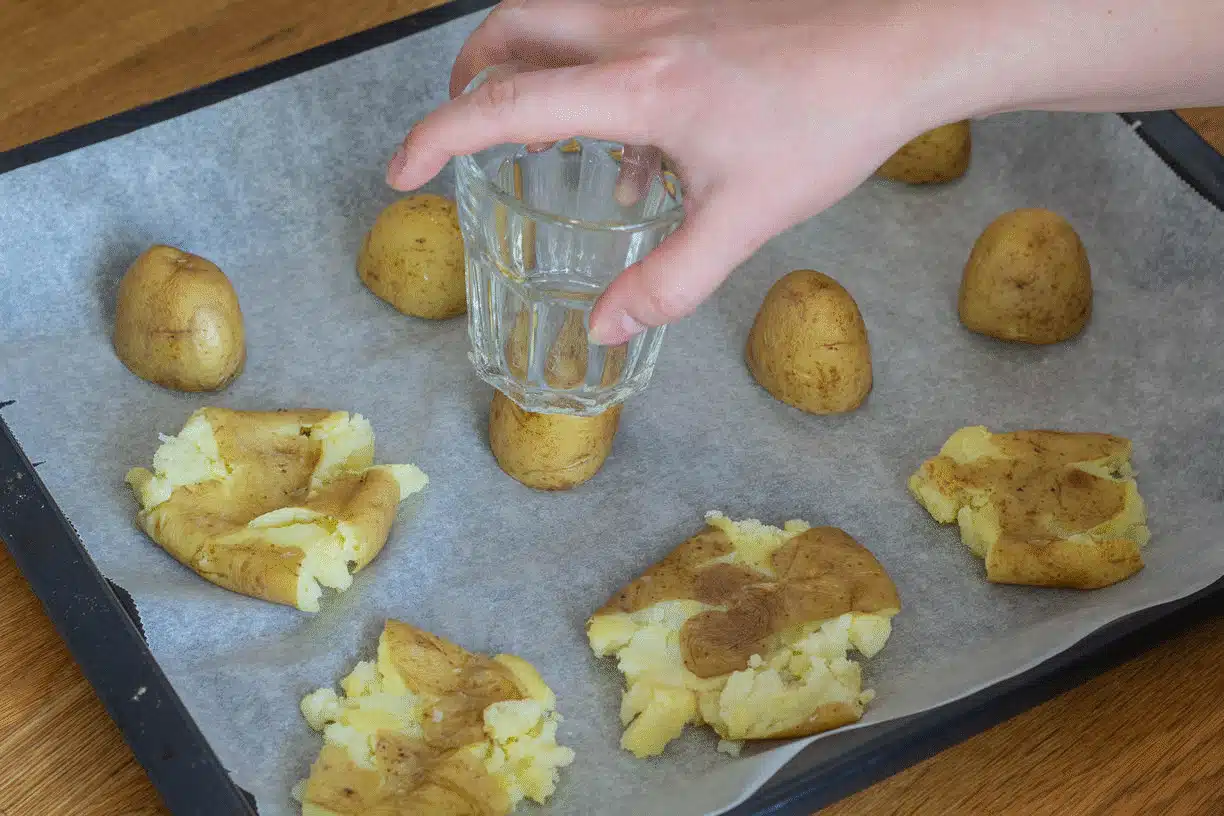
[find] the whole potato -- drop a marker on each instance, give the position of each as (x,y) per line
(936,156)
(1027,280)
(549,451)
(413,257)
(808,345)
(177,322)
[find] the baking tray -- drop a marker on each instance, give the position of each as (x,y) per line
(102,630)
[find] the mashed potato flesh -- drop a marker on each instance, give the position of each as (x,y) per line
(276,505)
(807,667)
(519,749)
(1041,508)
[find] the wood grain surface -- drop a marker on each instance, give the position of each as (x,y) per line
(1145,738)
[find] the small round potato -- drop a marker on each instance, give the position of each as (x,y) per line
(177,322)
(549,451)
(808,345)
(934,157)
(413,257)
(1027,280)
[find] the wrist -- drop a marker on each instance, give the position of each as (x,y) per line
(997,56)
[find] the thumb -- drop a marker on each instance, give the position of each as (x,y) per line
(675,278)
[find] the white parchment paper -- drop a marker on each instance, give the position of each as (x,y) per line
(278,187)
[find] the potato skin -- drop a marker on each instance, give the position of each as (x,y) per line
(178,323)
(934,157)
(808,346)
(413,257)
(549,451)
(1027,280)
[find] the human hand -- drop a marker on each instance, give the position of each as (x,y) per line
(770,111)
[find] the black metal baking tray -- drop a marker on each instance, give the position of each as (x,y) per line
(99,624)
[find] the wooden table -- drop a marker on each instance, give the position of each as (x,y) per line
(1145,738)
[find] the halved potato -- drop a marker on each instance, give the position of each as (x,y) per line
(808,346)
(178,323)
(413,257)
(1027,280)
(549,451)
(934,157)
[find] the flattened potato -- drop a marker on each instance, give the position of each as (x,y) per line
(934,157)
(177,322)
(549,451)
(413,257)
(430,728)
(272,504)
(1042,508)
(746,628)
(808,345)
(1027,280)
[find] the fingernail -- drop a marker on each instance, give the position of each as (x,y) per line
(615,329)
(398,162)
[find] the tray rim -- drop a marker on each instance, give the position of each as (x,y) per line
(202,785)
(106,640)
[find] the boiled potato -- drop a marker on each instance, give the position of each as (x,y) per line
(177,322)
(1041,508)
(808,346)
(1027,280)
(936,156)
(276,505)
(413,257)
(747,628)
(549,451)
(431,729)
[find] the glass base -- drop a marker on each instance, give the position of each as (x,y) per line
(544,400)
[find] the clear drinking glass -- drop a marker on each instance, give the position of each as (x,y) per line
(544,235)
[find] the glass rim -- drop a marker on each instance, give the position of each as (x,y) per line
(469,171)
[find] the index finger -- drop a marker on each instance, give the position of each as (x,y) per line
(600,100)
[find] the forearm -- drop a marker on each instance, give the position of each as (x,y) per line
(1083,55)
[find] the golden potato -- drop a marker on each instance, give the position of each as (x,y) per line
(431,728)
(808,345)
(549,451)
(1041,508)
(272,504)
(747,628)
(413,257)
(1027,280)
(934,157)
(177,322)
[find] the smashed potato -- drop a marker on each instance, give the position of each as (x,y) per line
(746,628)
(429,728)
(272,504)
(413,257)
(808,345)
(1027,280)
(549,451)
(1042,508)
(178,323)
(934,157)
